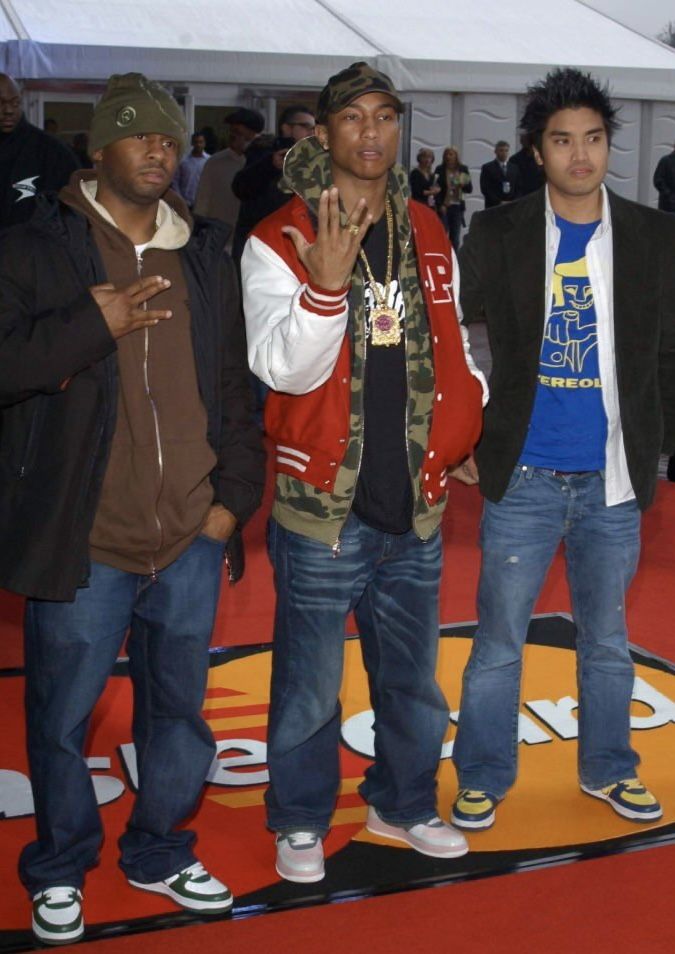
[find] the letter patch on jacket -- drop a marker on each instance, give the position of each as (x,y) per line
(439,277)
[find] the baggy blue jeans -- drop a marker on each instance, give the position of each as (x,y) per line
(391,582)
(519,537)
(71,649)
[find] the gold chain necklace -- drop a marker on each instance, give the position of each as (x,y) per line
(385,326)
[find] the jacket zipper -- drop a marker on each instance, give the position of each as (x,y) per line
(337,546)
(155,417)
(407,404)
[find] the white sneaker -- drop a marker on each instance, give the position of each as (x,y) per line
(433,837)
(192,888)
(57,915)
(300,856)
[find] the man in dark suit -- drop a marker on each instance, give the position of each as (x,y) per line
(530,173)
(578,289)
(257,184)
(664,182)
(499,180)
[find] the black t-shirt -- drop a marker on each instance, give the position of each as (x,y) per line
(383,498)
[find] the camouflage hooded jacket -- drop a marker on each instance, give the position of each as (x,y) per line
(313,359)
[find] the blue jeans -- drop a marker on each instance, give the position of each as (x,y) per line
(71,649)
(453,224)
(519,537)
(391,582)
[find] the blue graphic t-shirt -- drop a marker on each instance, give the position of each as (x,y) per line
(568,428)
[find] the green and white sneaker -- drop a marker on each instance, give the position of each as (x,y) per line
(57,915)
(630,799)
(192,888)
(474,809)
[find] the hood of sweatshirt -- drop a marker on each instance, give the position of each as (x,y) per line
(173,222)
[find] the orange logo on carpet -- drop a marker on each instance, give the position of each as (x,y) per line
(545,808)
(544,819)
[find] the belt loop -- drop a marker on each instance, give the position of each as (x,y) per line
(528,472)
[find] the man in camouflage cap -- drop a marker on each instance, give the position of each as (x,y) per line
(347,85)
(373,401)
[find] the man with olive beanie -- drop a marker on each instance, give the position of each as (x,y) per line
(133,464)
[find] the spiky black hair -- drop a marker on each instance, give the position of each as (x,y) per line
(566,88)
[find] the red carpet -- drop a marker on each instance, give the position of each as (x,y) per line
(609,906)
(245,617)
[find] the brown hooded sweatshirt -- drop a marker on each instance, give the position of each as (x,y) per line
(156,490)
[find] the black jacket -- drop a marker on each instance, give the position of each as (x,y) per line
(664,182)
(58,393)
(492,180)
(530,175)
(257,188)
(418,183)
(39,161)
(503,269)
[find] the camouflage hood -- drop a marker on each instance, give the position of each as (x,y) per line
(307,174)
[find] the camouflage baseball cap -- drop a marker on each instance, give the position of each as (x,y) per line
(347,85)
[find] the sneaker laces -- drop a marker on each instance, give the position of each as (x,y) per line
(60,895)
(633,786)
(194,872)
(302,839)
(627,783)
(434,822)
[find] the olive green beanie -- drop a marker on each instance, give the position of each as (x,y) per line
(134,104)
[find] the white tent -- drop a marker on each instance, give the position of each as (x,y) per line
(440,45)
(463,68)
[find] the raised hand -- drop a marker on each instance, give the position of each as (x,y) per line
(330,259)
(123,308)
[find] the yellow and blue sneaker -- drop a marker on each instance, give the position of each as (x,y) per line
(630,799)
(474,809)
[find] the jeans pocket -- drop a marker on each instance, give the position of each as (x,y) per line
(515,480)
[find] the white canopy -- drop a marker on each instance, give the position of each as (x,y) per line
(486,45)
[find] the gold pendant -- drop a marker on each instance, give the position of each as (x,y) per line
(385,327)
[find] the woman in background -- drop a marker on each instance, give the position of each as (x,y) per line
(423,187)
(454,182)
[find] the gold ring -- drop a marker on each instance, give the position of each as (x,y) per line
(354,229)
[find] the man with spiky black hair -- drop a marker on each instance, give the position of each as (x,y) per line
(578,290)
(566,89)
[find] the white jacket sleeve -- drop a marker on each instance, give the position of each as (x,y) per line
(473,367)
(291,347)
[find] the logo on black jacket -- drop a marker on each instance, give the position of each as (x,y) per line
(26,188)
